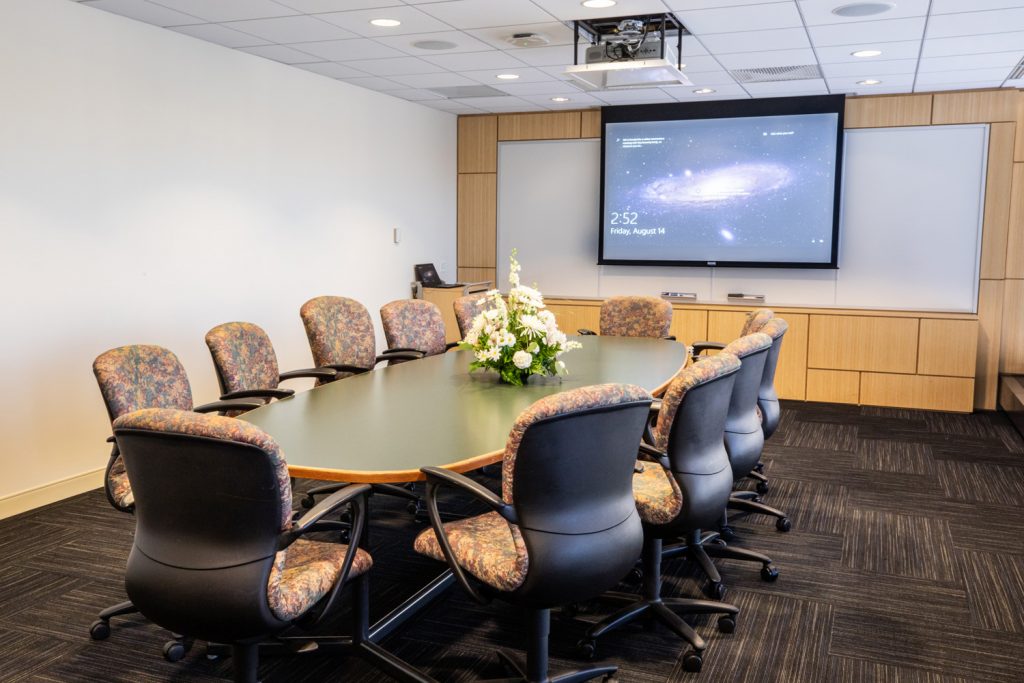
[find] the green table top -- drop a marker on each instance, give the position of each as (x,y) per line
(383,426)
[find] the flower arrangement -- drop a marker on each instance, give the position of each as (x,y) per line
(518,338)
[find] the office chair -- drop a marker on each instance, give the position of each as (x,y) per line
(246,363)
(565,527)
(414,324)
(466,308)
(767,399)
(132,378)
(681,486)
(244,573)
(635,316)
(341,337)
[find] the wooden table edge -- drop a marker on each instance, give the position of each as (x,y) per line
(390,476)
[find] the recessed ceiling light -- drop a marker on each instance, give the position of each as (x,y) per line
(866,53)
(869,81)
(508,77)
(434,44)
(703,91)
(598,4)
(863,9)
(386,23)
(559,99)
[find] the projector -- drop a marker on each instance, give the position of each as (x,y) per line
(628,52)
(609,51)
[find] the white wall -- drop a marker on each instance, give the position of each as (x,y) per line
(153,186)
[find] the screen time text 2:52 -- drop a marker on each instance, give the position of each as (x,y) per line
(624,217)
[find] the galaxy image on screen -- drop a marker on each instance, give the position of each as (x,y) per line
(755,189)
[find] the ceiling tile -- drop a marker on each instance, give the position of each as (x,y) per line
(315,6)
(721,92)
(633,95)
(395,66)
(756,41)
(700,63)
(215,33)
(860,32)
(893,84)
(280,53)
(759,60)
(870,68)
(413,21)
(463,43)
(705,79)
(974,23)
(549,88)
(490,76)
(375,83)
(301,29)
(142,10)
(548,56)
(951,6)
(732,19)
(415,94)
(489,102)
(1005,60)
(811,86)
(439,80)
(972,45)
(451,107)
(348,50)
(902,49)
(567,10)
(230,10)
(816,12)
(713,4)
(557,33)
(577,100)
(492,59)
(331,70)
(557,72)
(482,13)
(969,85)
(962,76)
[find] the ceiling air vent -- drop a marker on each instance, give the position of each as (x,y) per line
(777,73)
(1018,71)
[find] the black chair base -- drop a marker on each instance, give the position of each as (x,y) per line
(754,507)
(762,481)
(415,507)
(702,547)
(651,606)
(174,650)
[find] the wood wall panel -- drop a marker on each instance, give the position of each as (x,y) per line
(689,325)
(590,123)
(1018,147)
(724,326)
(978,106)
(791,374)
(1015,225)
(444,300)
(947,347)
(477,275)
(1012,346)
(543,126)
(478,144)
(997,201)
(477,218)
(954,394)
(833,386)
(882,112)
(863,343)
(990,323)
(572,317)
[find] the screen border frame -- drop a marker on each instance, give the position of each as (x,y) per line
(722,109)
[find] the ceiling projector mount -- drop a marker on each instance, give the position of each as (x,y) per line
(628,52)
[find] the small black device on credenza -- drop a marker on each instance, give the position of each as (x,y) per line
(426,275)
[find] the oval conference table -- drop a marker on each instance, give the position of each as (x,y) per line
(384,425)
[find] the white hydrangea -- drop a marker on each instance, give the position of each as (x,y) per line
(548,318)
(522,359)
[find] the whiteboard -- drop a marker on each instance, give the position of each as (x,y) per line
(910,231)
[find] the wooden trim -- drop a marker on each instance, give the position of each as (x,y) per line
(391,476)
(883,112)
(590,123)
(1015,223)
(833,386)
(478,144)
(1018,147)
(975,106)
(469,274)
(863,343)
(477,219)
(1012,346)
(554,125)
(36,497)
(997,201)
(990,316)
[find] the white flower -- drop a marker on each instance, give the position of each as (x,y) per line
(555,337)
(559,367)
(484,355)
(525,296)
(522,359)
(548,318)
(506,338)
(533,325)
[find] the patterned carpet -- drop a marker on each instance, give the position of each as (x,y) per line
(905,563)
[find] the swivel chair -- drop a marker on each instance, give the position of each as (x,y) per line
(565,527)
(132,378)
(246,573)
(466,308)
(414,324)
(635,316)
(767,399)
(681,486)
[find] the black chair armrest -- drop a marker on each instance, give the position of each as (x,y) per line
(112,439)
(221,406)
(342,367)
(399,354)
(399,349)
(652,454)
(354,494)
(438,477)
(652,419)
(316,373)
(451,345)
(585,332)
(670,337)
(258,393)
(702,346)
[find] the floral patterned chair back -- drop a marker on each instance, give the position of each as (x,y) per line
(756,319)
(243,357)
(413,324)
(466,308)
(636,316)
(340,331)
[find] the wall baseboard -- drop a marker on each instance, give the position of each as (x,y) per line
(30,499)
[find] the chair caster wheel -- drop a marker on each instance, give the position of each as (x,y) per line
(345,535)
(759,467)
(174,651)
(783,524)
(727,624)
(715,590)
(726,533)
(692,662)
(587,649)
(762,487)
(635,575)
(307,502)
(769,573)
(610,678)
(100,630)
